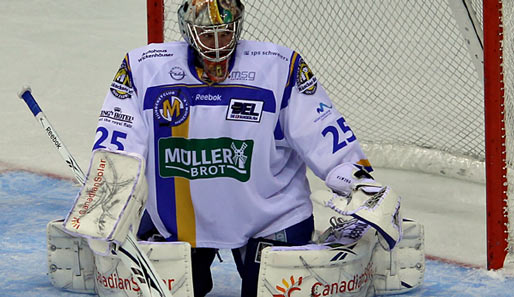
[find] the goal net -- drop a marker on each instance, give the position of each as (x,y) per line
(409,75)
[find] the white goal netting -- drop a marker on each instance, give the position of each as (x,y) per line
(407,74)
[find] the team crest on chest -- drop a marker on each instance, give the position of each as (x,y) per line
(306,81)
(171,107)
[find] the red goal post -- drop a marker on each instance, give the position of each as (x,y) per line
(436,77)
(496,114)
(155,21)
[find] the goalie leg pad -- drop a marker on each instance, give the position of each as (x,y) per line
(112,199)
(319,270)
(172,261)
(401,269)
(70,261)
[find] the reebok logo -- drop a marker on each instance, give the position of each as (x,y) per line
(208,97)
(53,137)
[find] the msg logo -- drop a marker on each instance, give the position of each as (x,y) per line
(242,75)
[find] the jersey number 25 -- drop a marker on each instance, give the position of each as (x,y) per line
(337,145)
(115,138)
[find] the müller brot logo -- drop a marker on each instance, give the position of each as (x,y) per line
(205,158)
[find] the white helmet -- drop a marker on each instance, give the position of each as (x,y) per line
(212,28)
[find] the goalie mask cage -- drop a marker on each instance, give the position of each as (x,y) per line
(417,68)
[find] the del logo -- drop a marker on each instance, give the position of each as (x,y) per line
(286,288)
(205,158)
(171,107)
(121,87)
(244,110)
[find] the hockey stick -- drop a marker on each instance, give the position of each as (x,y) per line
(25,94)
(129,252)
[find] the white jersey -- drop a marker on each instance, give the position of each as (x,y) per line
(226,161)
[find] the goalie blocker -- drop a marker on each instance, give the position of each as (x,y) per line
(111,202)
(107,212)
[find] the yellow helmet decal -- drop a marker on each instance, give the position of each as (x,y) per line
(214,12)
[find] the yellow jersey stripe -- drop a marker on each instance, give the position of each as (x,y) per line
(186,223)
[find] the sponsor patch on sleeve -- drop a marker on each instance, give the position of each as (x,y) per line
(305,79)
(121,86)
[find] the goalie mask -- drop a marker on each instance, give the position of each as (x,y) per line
(212,28)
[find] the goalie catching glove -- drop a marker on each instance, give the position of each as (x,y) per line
(356,194)
(110,203)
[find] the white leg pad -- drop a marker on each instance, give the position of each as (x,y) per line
(402,269)
(74,267)
(318,270)
(172,261)
(364,268)
(70,261)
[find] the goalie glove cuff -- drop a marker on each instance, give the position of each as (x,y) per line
(375,205)
(343,178)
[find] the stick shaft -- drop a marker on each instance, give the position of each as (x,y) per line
(40,116)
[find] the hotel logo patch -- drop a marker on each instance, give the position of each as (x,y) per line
(116,116)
